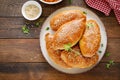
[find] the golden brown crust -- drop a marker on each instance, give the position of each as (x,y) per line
(70,28)
(54,54)
(78,61)
(65,17)
(70,32)
(90,41)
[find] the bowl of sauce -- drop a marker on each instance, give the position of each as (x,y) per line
(31,10)
(51,1)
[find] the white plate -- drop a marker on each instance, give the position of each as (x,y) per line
(51,2)
(90,15)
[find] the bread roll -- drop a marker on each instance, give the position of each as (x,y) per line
(90,41)
(54,54)
(78,61)
(65,17)
(70,32)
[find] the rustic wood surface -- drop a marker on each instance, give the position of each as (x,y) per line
(20,54)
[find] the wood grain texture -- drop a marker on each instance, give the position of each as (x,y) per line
(11,28)
(42,71)
(20,50)
(12,8)
(21,57)
(28,50)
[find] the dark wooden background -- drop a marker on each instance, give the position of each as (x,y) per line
(20,54)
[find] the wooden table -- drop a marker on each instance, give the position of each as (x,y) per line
(20,54)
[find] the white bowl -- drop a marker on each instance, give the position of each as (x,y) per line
(51,2)
(33,3)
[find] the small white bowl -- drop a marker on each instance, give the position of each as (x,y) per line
(31,3)
(51,2)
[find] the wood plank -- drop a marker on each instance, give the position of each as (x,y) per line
(20,50)
(28,50)
(42,71)
(11,28)
(114,50)
(112,27)
(20,54)
(12,8)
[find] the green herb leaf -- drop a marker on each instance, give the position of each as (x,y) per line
(47,28)
(84,12)
(101,45)
(100,51)
(25,29)
(37,24)
(111,62)
(67,47)
(70,1)
(89,25)
(107,54)
(107,66)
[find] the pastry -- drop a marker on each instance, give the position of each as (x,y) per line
(58,20)
(54,54)
(90,40)
(78,61)
(70,32)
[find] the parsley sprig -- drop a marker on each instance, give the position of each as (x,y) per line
(70,1)
(107,54)
(102,45)
(37,24)
(27,26)
(84,12)
(67,47)
(25,29)
(47,28)
(109,64)
(89,25)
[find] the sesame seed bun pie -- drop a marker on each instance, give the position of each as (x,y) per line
(70,32)
(74,60)
(90,41)
(58,20)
